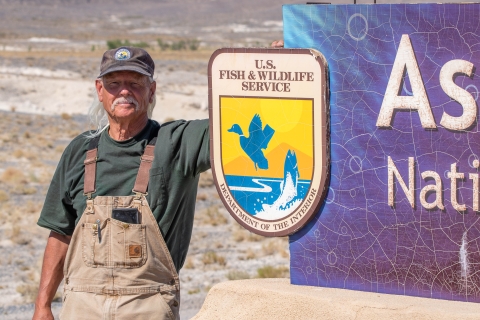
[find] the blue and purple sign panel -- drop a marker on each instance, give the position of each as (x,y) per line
(402,211)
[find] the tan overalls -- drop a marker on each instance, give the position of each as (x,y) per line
(126,272)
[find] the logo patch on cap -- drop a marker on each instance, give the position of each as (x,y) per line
(122,54)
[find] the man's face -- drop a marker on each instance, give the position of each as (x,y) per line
(125,94)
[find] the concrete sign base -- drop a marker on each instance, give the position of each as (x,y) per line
(247,299)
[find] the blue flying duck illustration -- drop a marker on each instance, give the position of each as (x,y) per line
(257,140)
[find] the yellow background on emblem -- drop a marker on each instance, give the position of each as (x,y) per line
(292,121)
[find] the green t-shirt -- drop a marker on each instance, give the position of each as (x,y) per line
(181,153)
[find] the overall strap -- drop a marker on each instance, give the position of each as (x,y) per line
(143,175)
(90,167)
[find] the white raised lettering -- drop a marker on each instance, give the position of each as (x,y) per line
(437,187)
(462,96)
(405,60)
(409,192)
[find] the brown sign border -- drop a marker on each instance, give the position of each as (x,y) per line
(325,170)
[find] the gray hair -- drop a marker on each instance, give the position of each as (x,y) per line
(98,116)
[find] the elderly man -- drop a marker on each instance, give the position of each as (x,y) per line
(121,203)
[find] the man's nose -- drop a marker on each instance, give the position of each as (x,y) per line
(125,91)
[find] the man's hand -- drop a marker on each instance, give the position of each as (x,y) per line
(52,274)
(43,314)
(277,44)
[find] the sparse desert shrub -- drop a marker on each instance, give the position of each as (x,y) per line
(237,275)
(18,153)
(182,44)
(13,176)
(202,196)
(194,291)
(65,116)
(277,245)
(73,133)
(241,234)
(215,216)
(250,254)
(28,292)
(212,216)
(179,45)
(3,196)
(163,45)
(206,179)
(19,237)
(189,263)
(113,44)
(193,44)
(60,149)
(24,189)
(32,207)
(211,257)
(273,272)
(33,177)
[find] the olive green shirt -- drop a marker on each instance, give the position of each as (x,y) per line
(181,153)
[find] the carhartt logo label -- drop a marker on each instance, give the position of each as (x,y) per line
(269,132)
(135,251)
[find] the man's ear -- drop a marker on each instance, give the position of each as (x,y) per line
(99,88)
(153,88)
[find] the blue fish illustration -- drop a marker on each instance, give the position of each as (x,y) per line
(257,140)
(290,197)
(290,172)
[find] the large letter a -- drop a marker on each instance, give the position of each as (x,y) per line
(405,59)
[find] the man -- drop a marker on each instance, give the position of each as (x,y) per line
(121,203)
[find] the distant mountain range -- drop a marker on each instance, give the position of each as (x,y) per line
(126,19)
(224,22)
(243,166)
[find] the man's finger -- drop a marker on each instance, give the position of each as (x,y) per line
(277,44)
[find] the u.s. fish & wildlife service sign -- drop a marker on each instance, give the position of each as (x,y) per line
(269,135)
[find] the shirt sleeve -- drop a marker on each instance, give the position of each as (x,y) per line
(58,213)
(193,145)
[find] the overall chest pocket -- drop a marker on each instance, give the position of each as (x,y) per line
(120,245)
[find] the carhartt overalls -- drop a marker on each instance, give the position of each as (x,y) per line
(116,270)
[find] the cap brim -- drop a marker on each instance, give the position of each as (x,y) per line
(125,68)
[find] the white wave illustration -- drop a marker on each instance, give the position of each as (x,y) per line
(285,203)
(265,188)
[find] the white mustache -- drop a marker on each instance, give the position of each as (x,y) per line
(122,100)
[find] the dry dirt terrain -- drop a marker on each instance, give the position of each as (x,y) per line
(49,56)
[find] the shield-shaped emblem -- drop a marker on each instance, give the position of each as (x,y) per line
(269,151)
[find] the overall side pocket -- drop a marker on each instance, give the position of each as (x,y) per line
(95,253)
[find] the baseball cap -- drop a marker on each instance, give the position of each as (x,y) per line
(127,59)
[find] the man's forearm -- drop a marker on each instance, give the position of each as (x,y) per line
(52,269)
